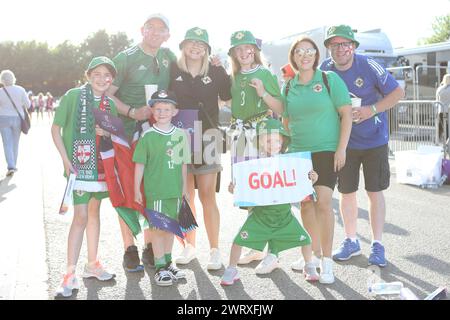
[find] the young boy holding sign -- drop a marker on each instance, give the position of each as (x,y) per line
(272,224)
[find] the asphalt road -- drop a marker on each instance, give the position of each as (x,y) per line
(416,239)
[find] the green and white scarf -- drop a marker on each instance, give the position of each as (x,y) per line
(84,144)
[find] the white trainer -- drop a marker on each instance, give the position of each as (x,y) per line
(98,271)
(251,255)
(68,284)
(299,265)
(187,255)
(215,261)
(326,271)
(267,265)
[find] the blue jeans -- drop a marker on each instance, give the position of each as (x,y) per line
(10,130)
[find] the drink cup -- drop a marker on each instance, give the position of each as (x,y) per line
(150,89)
(356,102)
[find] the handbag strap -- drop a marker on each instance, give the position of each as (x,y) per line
(6,91)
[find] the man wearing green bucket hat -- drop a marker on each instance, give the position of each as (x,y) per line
(368,144)
(198,84)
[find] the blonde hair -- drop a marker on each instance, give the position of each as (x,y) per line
(236,66)
(446,80)
(7,78)
(183,65)
(292,52)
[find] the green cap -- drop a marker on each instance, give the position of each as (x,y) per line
(197,34)
(242,37)
(271,126)
(98,61)
(343,31)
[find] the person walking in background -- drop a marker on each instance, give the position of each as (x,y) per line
(318,115)
(40,105)
(197,85)
(31,98)
(49,103)
(368,144)
(14,102)
(443,96)
(80,154)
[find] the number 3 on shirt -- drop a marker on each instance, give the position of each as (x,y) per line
(242,98)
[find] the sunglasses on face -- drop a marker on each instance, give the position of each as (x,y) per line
(310,52)
(155,66)
(343,45)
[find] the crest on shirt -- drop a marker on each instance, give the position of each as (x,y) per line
(169,152)
(318,88)
(165,63)
(244,235)
(206,80)
(359,82)
(179,78)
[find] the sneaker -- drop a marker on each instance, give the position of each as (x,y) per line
(131,262)
(267,265)
(97,272)
(177,273)
(163,277)
(347,250)
(299,265)
(68,284)
(10,172)
(148,258)
(252,255)
(326,271)
(310,272)
(377,255)
(215,261)
(230,276)
(187,255)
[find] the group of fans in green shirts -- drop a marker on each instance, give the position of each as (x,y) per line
(317,116)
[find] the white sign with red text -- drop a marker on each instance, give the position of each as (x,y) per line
(273,180)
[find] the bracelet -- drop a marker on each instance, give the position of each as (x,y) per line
(374,110)
(128,112)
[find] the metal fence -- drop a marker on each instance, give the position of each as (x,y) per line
(417,122)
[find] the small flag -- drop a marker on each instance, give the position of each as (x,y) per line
(186,217)
(110,123)
(68,194)
(162,222)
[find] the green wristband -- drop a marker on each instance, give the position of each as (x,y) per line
(374,110)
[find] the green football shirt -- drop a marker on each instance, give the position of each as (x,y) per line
(66,112)
(135,69)
(245,101)
(163,154)
(314,121)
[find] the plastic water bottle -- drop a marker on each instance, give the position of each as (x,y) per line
(381,288)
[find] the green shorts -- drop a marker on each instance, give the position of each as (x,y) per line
(83,197)
(254,234)
(169,207)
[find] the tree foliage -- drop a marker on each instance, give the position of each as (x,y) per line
(40,68)
(441,29)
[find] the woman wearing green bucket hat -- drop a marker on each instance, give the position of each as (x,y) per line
(198,84)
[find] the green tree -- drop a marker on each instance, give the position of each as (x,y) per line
(441,29)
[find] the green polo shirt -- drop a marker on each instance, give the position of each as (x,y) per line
(135,69)
(314,121)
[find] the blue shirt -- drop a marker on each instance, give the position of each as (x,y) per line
(369,81)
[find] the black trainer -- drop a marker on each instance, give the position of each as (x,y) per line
(131,262)
(148,258)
